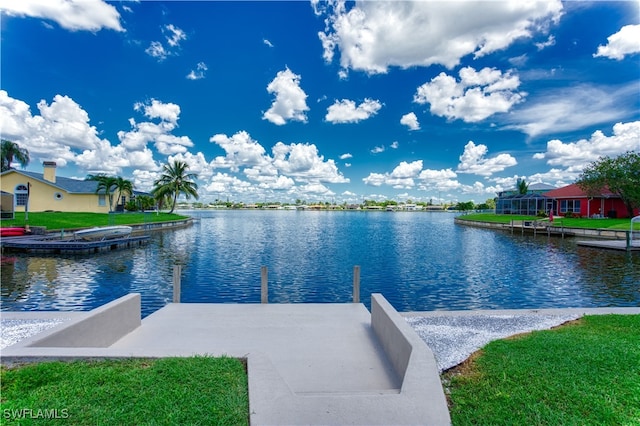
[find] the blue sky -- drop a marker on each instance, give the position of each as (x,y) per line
(323,101)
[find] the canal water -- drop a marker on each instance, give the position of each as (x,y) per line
(419,261)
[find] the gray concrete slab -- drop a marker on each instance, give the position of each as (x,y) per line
(315,347)
(307,363)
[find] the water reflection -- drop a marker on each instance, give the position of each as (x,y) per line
(419,261)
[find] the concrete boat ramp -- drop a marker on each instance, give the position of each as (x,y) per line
(307,363)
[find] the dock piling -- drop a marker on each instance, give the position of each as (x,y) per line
(628,240)
(264,285)
(356,284)
(177,272)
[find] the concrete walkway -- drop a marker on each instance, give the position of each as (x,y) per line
(316,348)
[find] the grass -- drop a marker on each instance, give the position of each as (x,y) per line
(586,223)
(197,390)
(63,220)
(584,373)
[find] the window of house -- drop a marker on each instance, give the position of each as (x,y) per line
(572,206)
(22,195)
(102,200)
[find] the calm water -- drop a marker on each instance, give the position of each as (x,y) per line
(418,261)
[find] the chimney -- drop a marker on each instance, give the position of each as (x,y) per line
(49,171)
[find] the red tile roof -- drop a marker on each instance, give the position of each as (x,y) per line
(574,191)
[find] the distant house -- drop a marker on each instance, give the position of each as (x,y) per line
(531,203)
(572,199)
(46,191)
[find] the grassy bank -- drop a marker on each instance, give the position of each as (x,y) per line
(59,220)
(584,373)
(586,223)
(199,390)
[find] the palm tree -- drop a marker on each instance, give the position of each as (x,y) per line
(175,181)
(11,151)
(123,186)
(106,184)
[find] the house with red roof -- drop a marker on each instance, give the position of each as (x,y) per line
(572,199)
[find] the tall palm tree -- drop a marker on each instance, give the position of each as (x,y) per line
(12,151)
(123,186)
(106,184)
(175,181)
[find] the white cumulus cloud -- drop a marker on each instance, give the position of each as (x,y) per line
(346,111)
(473,160)
(290,102)
(411,175)
(241,151)
(624,42)
(372,36)
(63,133)
(411,121)
(625,137)
(288,164)
(73,15)
(158,109)
(476,96)
(158,133)
(303,162)
(61,129)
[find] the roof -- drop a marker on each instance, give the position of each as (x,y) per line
(540,186)
(574,191)
(69,185)
(528,196)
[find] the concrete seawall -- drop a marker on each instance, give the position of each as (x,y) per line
(161,226)
(517,226)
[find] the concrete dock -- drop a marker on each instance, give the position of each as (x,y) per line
(611,244)
(307,363)
(57,245)
(311,364)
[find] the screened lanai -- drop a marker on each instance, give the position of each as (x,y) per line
(525,204)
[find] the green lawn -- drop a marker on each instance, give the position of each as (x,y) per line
(588,223)
(187,391)
(584,373)
(59,220)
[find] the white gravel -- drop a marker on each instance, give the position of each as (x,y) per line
(15,330)
(454,338)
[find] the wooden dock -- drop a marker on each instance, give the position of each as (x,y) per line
(59,245)
(611,244)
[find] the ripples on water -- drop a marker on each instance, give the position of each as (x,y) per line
(418,261)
